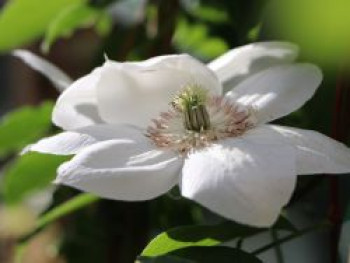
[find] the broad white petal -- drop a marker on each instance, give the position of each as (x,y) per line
(240,63)
(58,78)
(135,93)
(77,105)
(243,181)
(315,152)
(122,170)
(278,91)
(72,142)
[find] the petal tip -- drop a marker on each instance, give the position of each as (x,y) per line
(26,149)
(313,71)
(56,182)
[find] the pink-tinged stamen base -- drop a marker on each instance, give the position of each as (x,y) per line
(226,120)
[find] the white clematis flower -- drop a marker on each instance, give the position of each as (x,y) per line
(138,129)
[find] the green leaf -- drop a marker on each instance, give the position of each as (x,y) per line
(72,17)
(29,173)
(195,38)
(104,24)
(210,14)
(24,126)
(203,255)
(163,258)
(22,21)
(204,235)
(66,208)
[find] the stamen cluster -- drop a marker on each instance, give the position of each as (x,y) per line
(197,119)
(191,102)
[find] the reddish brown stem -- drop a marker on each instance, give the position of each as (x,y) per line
(335,211)
(166,25)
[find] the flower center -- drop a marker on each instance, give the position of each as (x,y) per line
(191,103)
(197,119)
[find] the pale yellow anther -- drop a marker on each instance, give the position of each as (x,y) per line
(192,103)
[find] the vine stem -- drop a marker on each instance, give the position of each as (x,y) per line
(299,233)
(278,250)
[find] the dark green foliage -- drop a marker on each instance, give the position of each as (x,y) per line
(204,255)
(204,235)
(29,173)
(111,231)
(24,126)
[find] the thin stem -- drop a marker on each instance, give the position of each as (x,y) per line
(78,202)
(240,243)
(278,250)
(290,237)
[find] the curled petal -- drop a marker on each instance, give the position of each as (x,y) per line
(65,143)
(58,78)
(72,142)
(242,181)
(278,91)
(135,93)
(240,63)
(77,105)
(122,170)
(315,152)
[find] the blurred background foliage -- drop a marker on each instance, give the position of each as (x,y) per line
(37,223)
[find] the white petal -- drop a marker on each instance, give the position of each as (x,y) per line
(77,105)
(242,181)
(65,143)
(316,153)
(278,91)
(238,64)
(58,78)
(135,93)
(72,142)
(122,170)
